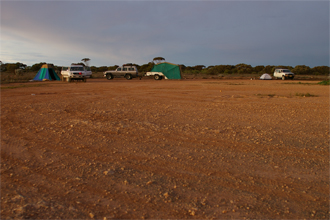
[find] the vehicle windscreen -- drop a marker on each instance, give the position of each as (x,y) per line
(286,71)
(65,68)
(76,68)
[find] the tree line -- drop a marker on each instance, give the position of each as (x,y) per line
(248,69)
(198,69)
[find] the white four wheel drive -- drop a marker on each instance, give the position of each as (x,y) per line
(75,72)
(283,74)
(128,71)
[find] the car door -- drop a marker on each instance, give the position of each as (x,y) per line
(118,72)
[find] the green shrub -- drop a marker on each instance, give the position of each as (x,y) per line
(227,71)
(325,82)
(191,72)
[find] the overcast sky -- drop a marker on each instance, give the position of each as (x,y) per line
(183,32)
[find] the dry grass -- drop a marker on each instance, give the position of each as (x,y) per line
(13,78)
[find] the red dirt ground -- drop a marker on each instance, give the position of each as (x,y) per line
(197,149)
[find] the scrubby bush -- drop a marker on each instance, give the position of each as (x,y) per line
(301,70)
(325,82)
(244,68)
(146,67)
(258,69)
(8,77)
(187,71)
(37,66)
(320,70)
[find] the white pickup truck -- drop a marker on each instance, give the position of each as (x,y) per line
(75,72)
(283,74)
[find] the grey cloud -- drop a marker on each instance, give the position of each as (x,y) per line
(191,33)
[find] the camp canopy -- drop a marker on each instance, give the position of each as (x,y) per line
(265,76)
(170,70)
(46,72)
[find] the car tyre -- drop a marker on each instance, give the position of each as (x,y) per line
(109,76)
(128,76)
(157,77)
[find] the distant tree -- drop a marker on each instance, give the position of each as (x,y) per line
(320,70)
(102,69)
(188,68)
(86,61)
(78,64)
(218,69)
(182,67)
(215,70)
(11,67)
(243,68)
(301,70)
(227,71)
(146,67)
(131,64)
(268,69)
(37,66)
(258,69)
(57,69)
(2,67)
(158,60)
(93,68)
(113,67)
(199,67)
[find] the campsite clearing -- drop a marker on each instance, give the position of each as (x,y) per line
(199,149)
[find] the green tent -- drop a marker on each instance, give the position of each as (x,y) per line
(170,70)
(46,72)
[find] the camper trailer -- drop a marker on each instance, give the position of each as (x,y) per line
(165,70)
